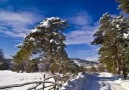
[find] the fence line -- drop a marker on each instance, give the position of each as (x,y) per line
(55,85)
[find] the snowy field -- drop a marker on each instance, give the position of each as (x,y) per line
(9,78)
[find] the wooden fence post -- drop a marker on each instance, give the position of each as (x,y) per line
(55,83)
(43,80)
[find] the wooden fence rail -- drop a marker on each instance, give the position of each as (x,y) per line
(23,84)
(40,85)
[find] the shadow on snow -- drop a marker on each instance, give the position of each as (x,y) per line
(96,83)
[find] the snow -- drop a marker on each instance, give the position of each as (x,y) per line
(53,18)
(74,84)
(52,40)
(34,30)
(83,81)
(45,24)
(105,81)
(123,83)
(126,35)
(19,45)
(105,74)
(32,39)
(10,78)
(54,33)
(59,47)
(118,26)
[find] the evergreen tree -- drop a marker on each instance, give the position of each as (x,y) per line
(113,44)
(124,5)
(47,41)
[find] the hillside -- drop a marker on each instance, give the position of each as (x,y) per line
(83,62)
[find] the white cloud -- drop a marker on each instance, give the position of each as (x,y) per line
(16,24)
(78,37)
(90,54)
(82,36)
(81,18)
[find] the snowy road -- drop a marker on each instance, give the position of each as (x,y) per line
(101,82)
(115,86)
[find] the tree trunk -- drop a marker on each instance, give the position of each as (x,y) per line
(118,67)
(114,67)
(124,72)
(124,69)
(117,58)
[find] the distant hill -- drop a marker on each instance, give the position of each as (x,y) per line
(83,62)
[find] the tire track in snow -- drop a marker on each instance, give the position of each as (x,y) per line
(96,82)
(115,86)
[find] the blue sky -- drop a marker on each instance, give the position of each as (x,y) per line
(17,17)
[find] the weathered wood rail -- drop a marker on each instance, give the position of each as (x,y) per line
(41,85)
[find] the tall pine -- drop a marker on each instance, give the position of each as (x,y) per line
(47,42)
(113,43)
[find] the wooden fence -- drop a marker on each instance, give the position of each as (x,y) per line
(41,85)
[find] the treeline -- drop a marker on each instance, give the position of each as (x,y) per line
(4,63)
(34,65)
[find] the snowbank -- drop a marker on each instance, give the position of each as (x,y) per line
(74,84)
(123,83)
(117,79)
(105,74)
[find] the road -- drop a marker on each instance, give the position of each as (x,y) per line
(101,82)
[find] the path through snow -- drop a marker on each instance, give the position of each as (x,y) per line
(102,81)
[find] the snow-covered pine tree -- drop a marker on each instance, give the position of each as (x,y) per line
(113,46)
(103,37)
(121,25)
(47,41)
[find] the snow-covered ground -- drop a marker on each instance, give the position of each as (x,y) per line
(98,81)
(123,83)
(105,81)
(75,84)
(10,78)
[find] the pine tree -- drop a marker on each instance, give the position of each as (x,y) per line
(103,37)
(124,5)
(113,44)
(47,41)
